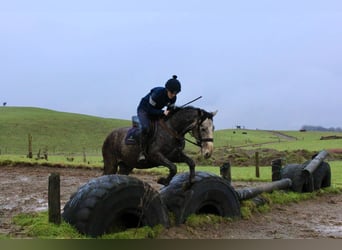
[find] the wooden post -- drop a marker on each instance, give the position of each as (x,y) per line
(225,171)
(276,169)
(54,201)
(84,156)
(257,170)
(45,152)
(30,154)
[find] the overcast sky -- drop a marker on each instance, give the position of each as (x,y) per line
(261,64)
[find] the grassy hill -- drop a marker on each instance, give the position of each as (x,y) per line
(279,140)
(59,132)
(70,134)
(238,146)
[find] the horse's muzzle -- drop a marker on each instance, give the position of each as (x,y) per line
(207,149)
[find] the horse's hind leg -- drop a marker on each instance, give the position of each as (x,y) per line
(124,169)
(110,165)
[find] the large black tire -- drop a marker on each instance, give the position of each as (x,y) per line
(113,203)
(299,181)
(322,176)
(208,194)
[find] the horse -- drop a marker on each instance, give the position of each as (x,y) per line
(166,144)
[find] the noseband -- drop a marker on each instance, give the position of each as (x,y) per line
(203,116)
(199,123)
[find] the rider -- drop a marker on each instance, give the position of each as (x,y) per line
(151,107)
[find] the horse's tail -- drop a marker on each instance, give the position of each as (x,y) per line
(109,159)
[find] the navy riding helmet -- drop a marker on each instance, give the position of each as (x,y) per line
(173,85)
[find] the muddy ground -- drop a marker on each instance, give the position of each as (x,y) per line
(24,189)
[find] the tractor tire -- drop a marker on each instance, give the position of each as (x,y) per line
(113,203)
(208,194)
(322,176)
(300,183)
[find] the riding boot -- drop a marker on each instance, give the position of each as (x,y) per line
(143,146)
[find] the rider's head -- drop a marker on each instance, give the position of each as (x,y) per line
(173,85)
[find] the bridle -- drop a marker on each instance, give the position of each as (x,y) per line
(200,140)
(203,116)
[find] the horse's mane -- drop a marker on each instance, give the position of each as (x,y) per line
(177,109)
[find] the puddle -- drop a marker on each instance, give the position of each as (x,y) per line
(332,231)
(24,179)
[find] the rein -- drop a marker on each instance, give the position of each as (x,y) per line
(175,134)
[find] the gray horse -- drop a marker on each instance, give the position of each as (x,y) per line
(166,144)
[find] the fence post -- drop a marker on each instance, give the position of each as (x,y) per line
(276,169)
(257,170)
(84,156)
(225,171)
(54,201)
(30,154)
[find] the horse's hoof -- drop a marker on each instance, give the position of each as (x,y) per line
(186,185)
(192,179)
(163,181)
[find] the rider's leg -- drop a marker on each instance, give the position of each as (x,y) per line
(143,145)
(144,123)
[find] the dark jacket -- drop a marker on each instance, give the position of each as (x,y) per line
(154,102)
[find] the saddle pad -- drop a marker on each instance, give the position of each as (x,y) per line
(133,136)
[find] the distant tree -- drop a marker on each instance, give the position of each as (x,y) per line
(320,128)
(4,104)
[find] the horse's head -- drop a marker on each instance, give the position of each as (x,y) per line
(199,123)
(204,132)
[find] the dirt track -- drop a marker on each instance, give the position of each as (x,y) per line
(24,189)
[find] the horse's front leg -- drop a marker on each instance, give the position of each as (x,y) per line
(162,160)
(191,164)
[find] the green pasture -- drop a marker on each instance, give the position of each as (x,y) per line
(60,159)
(56,132)
(249,173)
(76,140)
(238,173)
(71,134)
(279,140)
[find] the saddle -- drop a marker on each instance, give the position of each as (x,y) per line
(133,134)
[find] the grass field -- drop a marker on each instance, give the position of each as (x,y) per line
(68,133)
(280,140)
(79,137)
(59,132)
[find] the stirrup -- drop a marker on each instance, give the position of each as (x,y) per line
(142,156)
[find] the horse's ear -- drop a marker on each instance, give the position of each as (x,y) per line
(214,113)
